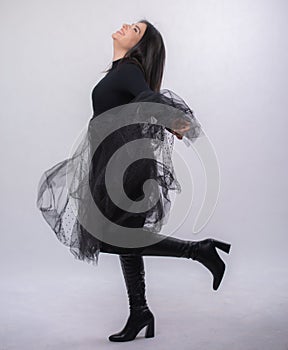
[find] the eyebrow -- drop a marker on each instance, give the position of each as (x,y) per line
(137,27)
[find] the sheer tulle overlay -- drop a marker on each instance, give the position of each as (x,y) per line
(114,187)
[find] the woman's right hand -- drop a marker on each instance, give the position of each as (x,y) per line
(180,126)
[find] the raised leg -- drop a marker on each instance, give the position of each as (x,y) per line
(202,251)
(168,246)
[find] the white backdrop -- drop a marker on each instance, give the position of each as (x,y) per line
(228,60)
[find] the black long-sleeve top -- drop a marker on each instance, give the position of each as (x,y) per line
(119,86)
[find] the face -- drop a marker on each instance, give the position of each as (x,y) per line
(129,35)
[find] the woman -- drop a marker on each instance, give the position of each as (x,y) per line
(135,76)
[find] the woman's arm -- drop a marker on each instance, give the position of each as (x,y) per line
(133,80)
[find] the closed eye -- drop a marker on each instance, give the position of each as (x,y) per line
(139,31)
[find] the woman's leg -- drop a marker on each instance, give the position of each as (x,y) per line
(202,251)
(140,315)
(168,246)
(134,275)
(133,270)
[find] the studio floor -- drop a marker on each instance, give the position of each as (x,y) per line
(77,306)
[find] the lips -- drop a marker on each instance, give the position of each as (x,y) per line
(121,32)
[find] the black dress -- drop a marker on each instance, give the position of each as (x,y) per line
(99,190)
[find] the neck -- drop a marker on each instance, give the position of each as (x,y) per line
(118,53)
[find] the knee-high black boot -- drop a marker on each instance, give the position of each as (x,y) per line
(140,315)
(202,251)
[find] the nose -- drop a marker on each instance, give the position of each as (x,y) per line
(125,25)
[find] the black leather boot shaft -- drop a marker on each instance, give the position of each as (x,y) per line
(134,276)
(140,315)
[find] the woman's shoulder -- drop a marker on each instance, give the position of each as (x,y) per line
(131,64)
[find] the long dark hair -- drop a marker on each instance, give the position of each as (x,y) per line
(149,53)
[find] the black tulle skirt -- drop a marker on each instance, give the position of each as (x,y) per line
(114,187)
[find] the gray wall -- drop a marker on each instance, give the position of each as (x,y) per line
(228,63)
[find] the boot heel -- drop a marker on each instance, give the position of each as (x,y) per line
(222,245)
(150,329)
